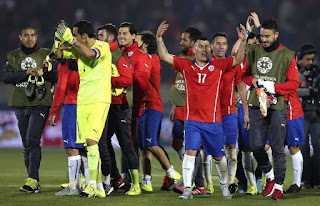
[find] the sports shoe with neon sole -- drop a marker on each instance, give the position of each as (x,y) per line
(147,188)
(210,189)
(99,193)
(252,190)
(31,186)
(40,88)
(89,191)
(134,190)
(68,192)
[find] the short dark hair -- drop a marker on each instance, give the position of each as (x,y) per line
(149,38)
(306,49)
(201,38)
(220,34)
(28,27)
(270,24)
(110,28)
(85,27)
(132,27)
(194,33)
(251,36)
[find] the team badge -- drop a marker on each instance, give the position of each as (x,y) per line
(130,54)
(28,63)
(211,68)
(264,65)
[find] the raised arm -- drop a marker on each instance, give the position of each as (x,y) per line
(242,46)
(162,49)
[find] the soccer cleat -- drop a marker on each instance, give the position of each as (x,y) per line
(179,188)
(187,194)
(29,89)
(233,188)
(252,190)
(263,101)
(259,185)
(210,189)
(268,190)
(176,177)
(99,193)
(22,188)
(225,191)
(118,184)
(64,185)
(89,191)
(147,188)
(68,191)
(242,188)
(168,184)
(31,186)
(199,191)
(134,190)
(293,189)
(40,88)
(277,195)
(109,189)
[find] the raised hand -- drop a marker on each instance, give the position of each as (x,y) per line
(161,29)
(63,33)
(255,19)
(242,34)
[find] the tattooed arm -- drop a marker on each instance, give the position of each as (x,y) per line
(162,49)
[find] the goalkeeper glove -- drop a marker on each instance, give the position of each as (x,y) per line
(64,34)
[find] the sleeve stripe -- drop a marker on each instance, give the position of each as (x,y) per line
(97,53)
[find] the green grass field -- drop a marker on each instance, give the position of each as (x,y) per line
(53,172)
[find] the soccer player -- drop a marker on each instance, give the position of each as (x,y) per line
(141,67)
(203,117)
(150,122)
(118,121)
(228,111)
(31,98)
(273,67)
(94,95)
(66,93)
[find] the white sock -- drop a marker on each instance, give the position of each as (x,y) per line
(86,169)
(181,153)
(222,170)
(207,168)
(232,164)
(297,164)
(74,163)
(248,167)
(279,187)
(146,179)
(187,169)
(106,179)
(270,175)
(269,153)
(170,171)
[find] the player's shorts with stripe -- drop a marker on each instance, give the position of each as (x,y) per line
(149,128)
(243,140)
(230,128)
(91,119)
(295,132)
(210,135)
(69,126)
(177,130)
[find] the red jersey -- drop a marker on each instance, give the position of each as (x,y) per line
(229,79)
(203,86)
(141,66)
(67,88)
(290,85)
(294,110)
(153,97)
(125,78)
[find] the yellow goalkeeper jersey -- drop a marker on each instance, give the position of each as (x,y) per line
(95,74)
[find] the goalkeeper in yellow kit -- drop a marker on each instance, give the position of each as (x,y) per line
(94,95)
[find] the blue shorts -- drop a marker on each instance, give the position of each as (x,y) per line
(243,140)
(177,130)
(230,128)
(149,128)
(294,132)
(69,126)
(209,134)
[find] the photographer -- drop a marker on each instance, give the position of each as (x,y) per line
(309,93)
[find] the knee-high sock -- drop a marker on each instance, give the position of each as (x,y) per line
(135,177)
(74,163)
(297,164)
(85,168)
(187,169)
(99,176)
(222,170)
(248,167)
(232,164)
(93,156)
(207,167)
